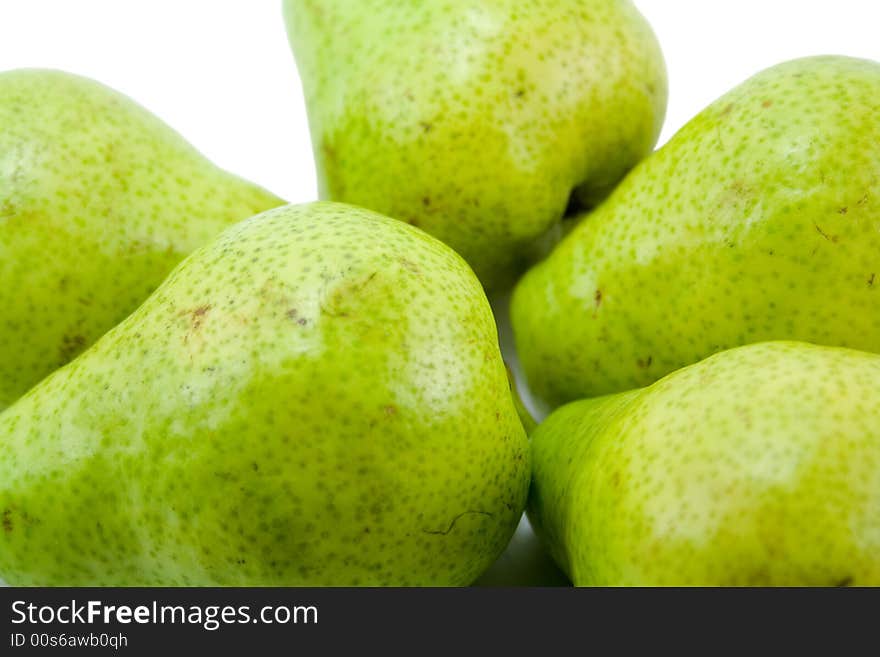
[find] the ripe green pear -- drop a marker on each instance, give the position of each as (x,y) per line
(316,398)
(99,200)
(757,466)
(476,121)
(759,220)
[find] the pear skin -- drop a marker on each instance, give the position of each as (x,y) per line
(315,398)
(759,220)
(759,466)
(477,121)
(99,200)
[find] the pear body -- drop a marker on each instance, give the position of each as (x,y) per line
(99,200)
(759,220)
(476,121)
(315,398)
(757,466)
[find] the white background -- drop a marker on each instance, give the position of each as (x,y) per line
(220,72)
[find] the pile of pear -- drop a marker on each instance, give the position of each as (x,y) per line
(203,385)
(312,395)
(710,332)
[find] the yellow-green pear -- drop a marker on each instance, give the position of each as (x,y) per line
(757,466)
(759,220)
(315,398)
(99,200)
(477,121)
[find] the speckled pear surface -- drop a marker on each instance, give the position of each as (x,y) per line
(759,220)
(99,200)
(316,398)
(476,120)
(757,466)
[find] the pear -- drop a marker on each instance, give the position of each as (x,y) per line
(757,466)
(315,398)
(476,120)
(759,220)
(99,200)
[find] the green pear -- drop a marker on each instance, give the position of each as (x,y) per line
(99,200)
(757,466)
(476,121)
(759,220)
(316,398)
